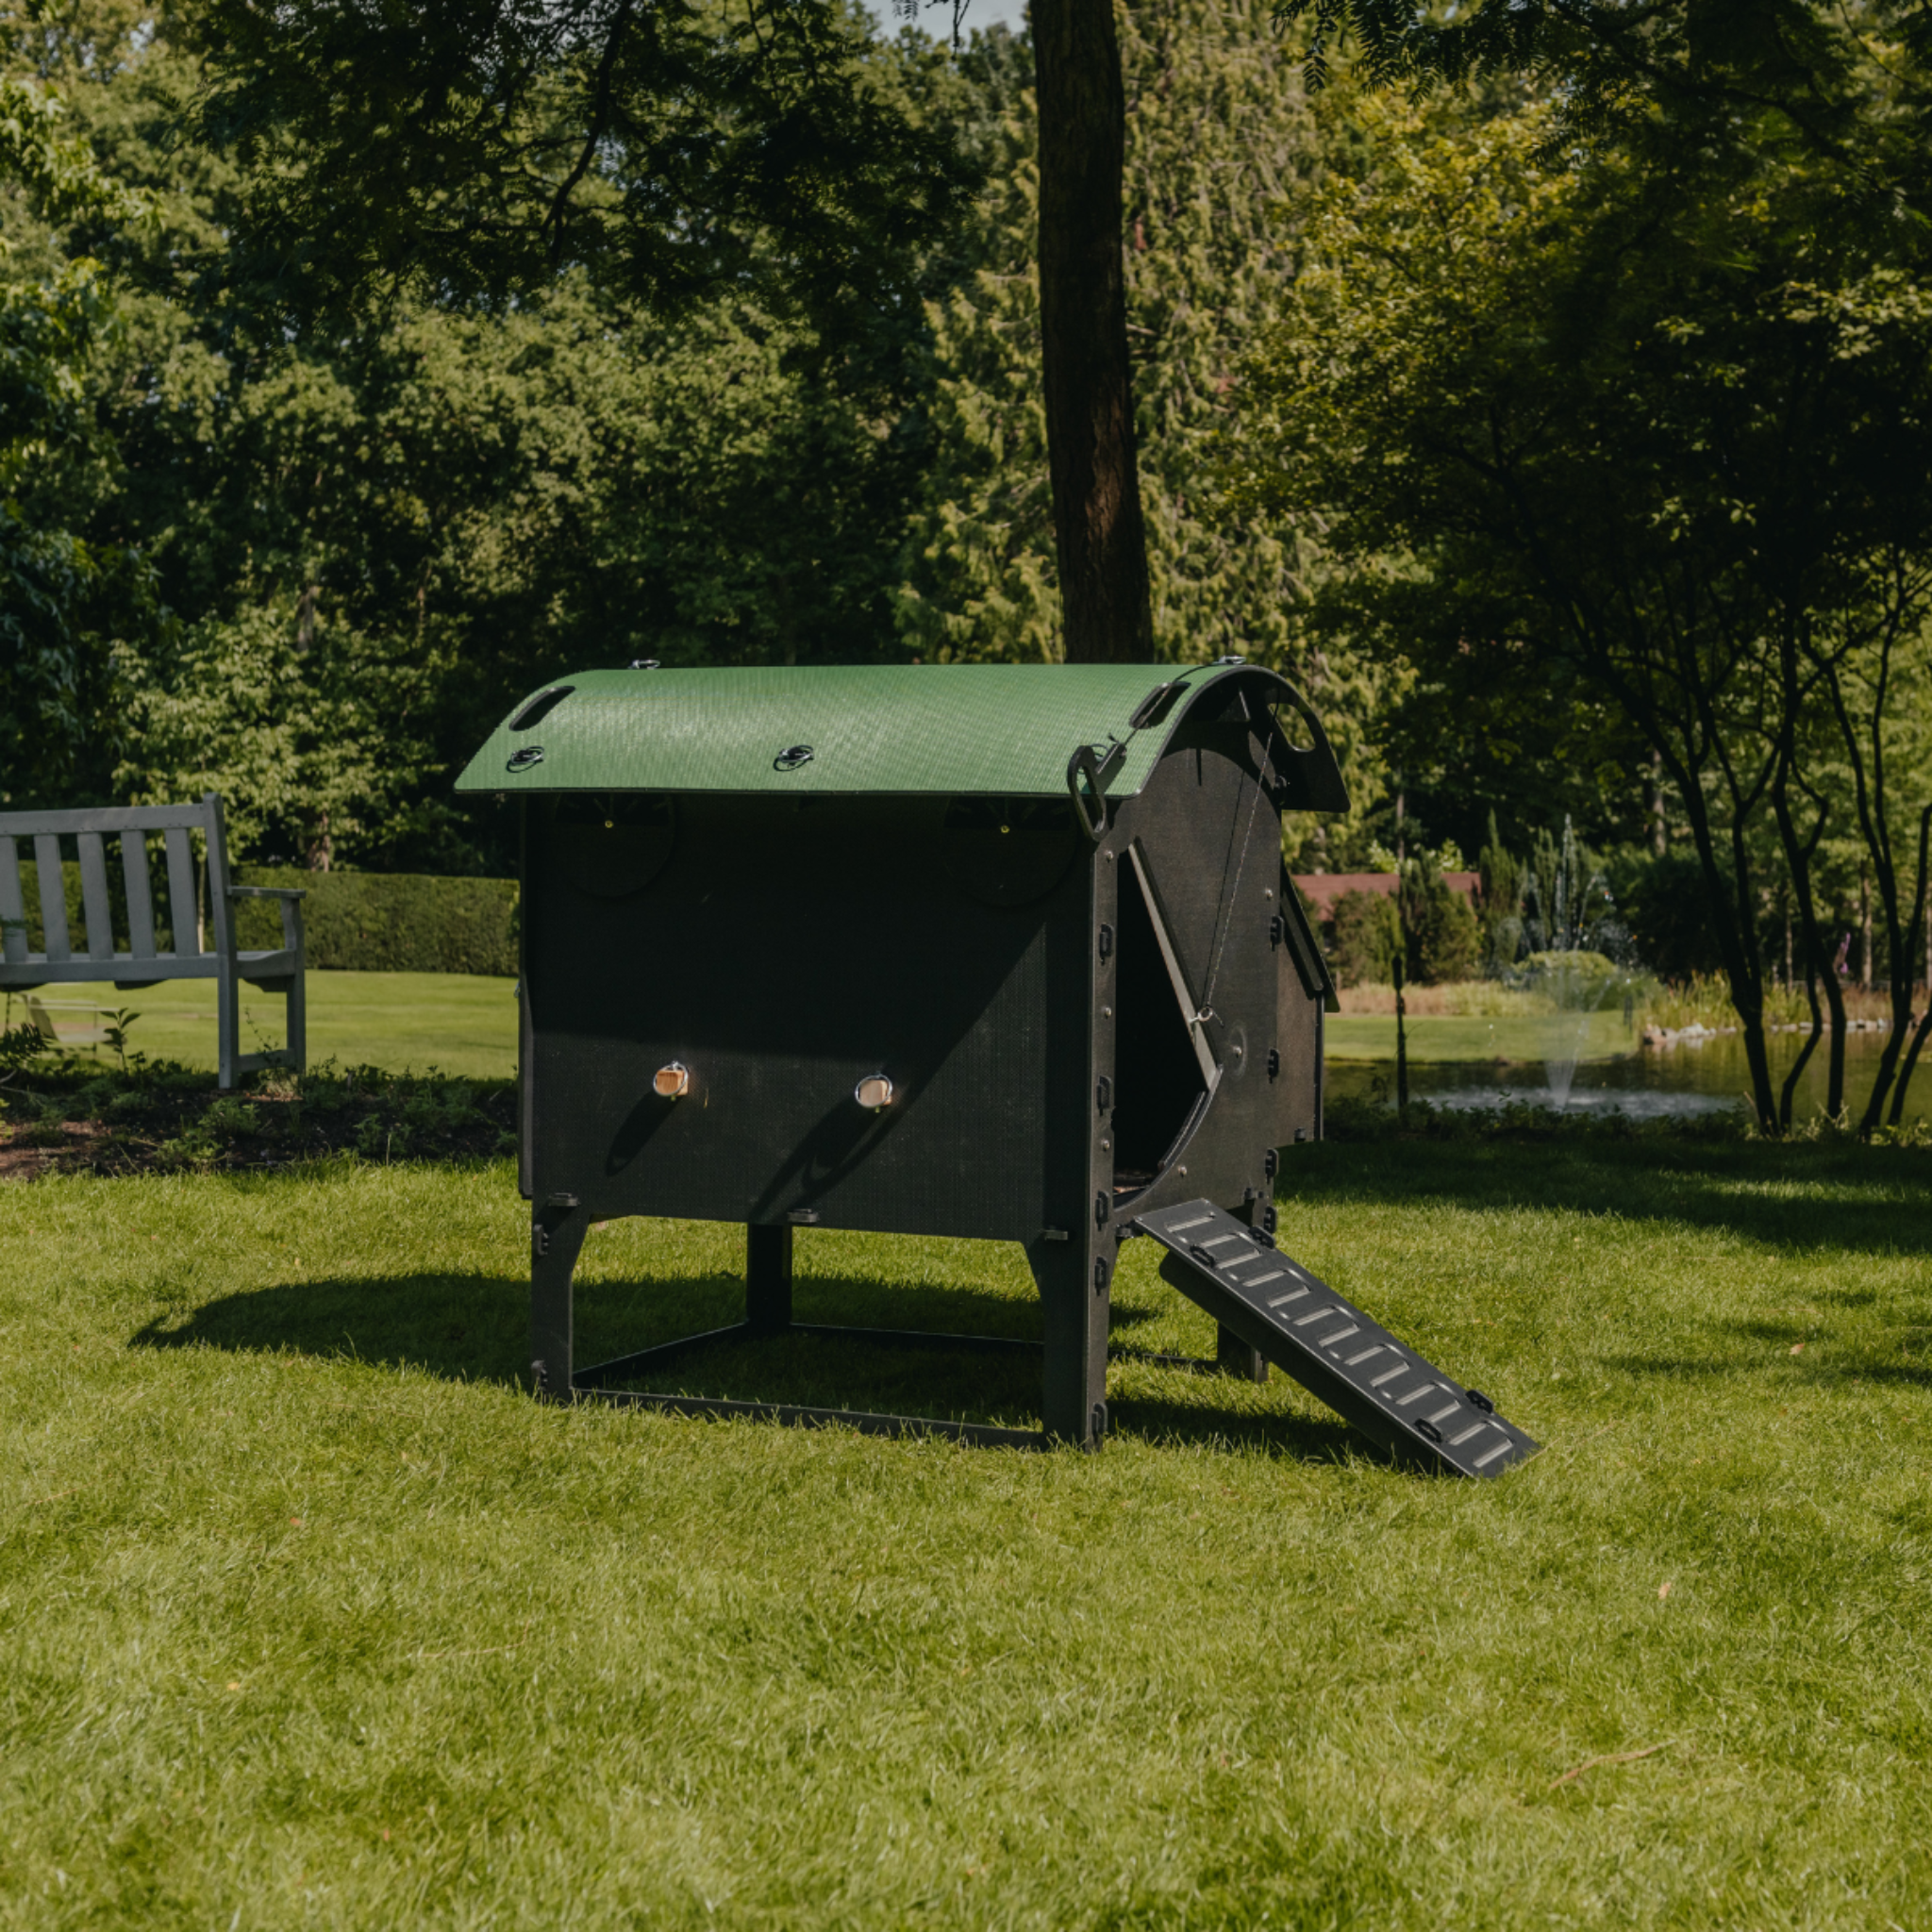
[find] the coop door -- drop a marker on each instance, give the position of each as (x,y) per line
(1164,1069)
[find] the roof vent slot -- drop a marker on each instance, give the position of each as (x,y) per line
(1154,708)
(541,706)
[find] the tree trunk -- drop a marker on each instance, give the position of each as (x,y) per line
(1799,853)
(1098,533)
(1864,929)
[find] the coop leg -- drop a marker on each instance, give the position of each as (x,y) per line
(1233,1357)
(768,1277)
(1075,1291)
(557,1236)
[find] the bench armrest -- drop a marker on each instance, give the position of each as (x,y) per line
(267,892)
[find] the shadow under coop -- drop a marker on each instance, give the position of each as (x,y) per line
(995,951)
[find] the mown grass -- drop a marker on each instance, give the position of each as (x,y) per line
(461,1023)
(309,1618)
(1456,1036)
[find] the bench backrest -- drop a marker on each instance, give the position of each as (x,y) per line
(91,829)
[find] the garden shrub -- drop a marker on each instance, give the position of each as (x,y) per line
(363,922)
(1664,900)
(1366,935)
(1444,941)
(354,921)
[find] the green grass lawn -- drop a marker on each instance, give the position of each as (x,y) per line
(308,1618)
(462,1023)
(1442,1037)
(467,1024)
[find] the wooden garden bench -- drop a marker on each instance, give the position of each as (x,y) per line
(145,964)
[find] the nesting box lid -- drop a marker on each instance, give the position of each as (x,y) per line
(1004,730)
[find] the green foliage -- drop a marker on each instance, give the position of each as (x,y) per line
(1444,941)
(378,536)
(1662,431)
(1715,71)
(1367,935)
(305,737)
(1217,132)
(63,597)
(374,922)
(674,154)
(142,1117)
(1500,908)
(19,1045)
(1661,899)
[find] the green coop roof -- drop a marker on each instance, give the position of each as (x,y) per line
(994,730)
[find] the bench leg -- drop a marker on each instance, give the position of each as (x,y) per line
(295,1032)
(228,1024)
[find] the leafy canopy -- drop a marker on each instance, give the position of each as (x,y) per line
(481,147)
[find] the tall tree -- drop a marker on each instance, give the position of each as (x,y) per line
(673,148)
(1669,429)
(1099,534)
(63,599)
(1217,135)
(405,519)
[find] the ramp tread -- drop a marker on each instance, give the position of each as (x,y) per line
(1336,1351)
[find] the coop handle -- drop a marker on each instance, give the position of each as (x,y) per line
(1096,768)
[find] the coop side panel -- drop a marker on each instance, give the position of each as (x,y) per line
(781,955)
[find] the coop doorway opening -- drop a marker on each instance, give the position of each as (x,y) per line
(1165,1071)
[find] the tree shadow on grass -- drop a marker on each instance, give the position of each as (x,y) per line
(474,1329)
(1883,1205)
(1830,1365)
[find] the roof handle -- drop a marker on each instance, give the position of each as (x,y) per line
(1097,769)
(541,706)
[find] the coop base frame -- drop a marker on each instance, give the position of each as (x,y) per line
(792,1415)
(767,1314)
(587,1384)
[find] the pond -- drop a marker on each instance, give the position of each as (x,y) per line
(1691,1078)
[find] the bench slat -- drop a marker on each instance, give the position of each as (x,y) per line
(107,818)
(38,971)
(181,893)
(13,904)
(141,901)
(96,908)
(53,894)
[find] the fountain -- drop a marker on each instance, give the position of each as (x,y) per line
(1576,951)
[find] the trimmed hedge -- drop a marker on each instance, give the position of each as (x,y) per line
(356,922)
(365,922)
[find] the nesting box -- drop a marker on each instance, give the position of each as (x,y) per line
(1004,952)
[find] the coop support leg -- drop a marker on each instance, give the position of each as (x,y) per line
(1233,1357)
(556,1238)
(768,1278)
(1076,1281)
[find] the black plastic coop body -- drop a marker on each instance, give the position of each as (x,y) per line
(1005,952)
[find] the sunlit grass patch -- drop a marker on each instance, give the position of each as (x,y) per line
(307,1613)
